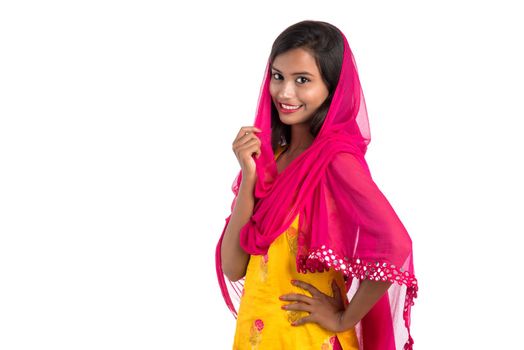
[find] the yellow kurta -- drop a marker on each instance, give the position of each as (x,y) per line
(262,323)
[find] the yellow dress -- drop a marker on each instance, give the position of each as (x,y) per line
(262,323)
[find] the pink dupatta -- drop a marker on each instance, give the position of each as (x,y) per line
(345,223)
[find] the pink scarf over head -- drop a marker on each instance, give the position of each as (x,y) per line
(345,222)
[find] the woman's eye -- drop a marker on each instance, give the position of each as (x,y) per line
(302,82)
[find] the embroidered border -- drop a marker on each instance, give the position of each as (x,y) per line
(323,258)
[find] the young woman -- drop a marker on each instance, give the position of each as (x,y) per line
(313,252)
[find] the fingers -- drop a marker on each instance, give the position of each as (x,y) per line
(298,307)
(310,288)
(296,297)
(246,140)
(245,131)
(243,140)
(252,145)
(301,321)
(337,294)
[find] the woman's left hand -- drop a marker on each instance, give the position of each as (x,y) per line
(324,310)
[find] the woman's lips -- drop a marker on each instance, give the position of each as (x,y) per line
(290,109)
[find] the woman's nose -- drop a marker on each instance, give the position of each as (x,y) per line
(287,90)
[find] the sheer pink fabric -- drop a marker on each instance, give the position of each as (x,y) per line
(346,223)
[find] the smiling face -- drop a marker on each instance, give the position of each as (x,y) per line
(296,87)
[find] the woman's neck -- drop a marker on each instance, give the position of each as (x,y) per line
(301,138)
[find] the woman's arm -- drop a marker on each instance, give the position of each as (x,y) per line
(234,258)
(366,296)
(329,311)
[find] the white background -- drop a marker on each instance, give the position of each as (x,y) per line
(117,119)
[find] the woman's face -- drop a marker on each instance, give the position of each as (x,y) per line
(296,83)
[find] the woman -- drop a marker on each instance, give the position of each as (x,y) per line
(309,227)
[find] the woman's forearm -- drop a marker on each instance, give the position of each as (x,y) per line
(366,296)
(234,258)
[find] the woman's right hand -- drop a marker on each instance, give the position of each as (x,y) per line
(245,145)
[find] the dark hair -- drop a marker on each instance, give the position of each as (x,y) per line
(326,44)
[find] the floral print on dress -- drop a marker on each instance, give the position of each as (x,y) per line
(263,267)
(328,343)
(256,333)
(293,316)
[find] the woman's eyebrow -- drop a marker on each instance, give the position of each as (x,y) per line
(297,73)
